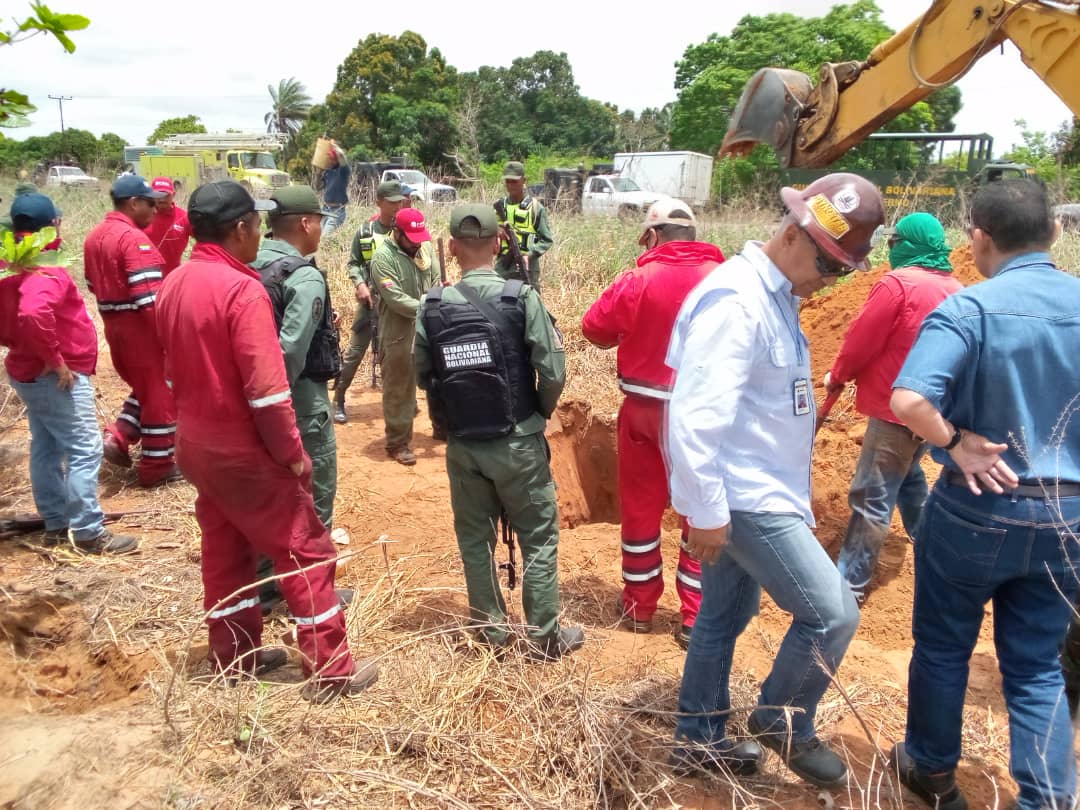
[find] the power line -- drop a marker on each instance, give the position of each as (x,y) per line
(63,138)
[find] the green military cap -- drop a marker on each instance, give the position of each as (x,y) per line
(25,188)
(513,170)
(390,190)
(295,200)
(473,221)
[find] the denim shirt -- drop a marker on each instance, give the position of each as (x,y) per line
(336,190)
(735,440)
(1002,359)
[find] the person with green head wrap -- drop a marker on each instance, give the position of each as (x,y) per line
(889,474)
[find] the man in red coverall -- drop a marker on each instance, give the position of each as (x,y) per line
(169,230)
(240,447)
(123,271)
(636,313)
(888,474)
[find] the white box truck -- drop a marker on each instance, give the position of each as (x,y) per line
(686,175)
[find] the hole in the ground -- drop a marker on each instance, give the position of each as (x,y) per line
(583,461)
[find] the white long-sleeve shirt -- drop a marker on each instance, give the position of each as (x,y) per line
(741,360)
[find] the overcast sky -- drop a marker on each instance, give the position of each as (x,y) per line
(215,59)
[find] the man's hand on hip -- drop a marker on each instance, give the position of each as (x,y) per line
(705,545)
(979,459)
(65,380)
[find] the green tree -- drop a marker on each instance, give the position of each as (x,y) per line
(111,150)
(176,126)
(290,107)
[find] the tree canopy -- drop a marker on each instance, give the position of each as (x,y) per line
(176,126)
(290,105)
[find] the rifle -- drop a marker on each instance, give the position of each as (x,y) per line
(510,566)
(512,240)
(442,262)
(376,361)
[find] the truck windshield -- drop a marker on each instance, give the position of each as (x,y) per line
(69,170)
(624,184)
(257,160)
(413,178)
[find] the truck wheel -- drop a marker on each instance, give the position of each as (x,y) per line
(629,212)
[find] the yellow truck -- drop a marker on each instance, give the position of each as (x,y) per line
(193,159)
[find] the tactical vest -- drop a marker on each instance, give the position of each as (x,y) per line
(521,219)
(481,370)
(369,240)
(323,362)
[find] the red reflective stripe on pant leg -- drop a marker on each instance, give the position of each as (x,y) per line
(227,565)
(158,413)
(643,497)
(688,586)
(126,427)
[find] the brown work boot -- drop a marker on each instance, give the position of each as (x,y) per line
(627,620)
(327,690)
(115,453)
(108,543)
(402,455)
(170,476)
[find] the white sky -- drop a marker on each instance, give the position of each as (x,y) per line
(138,64)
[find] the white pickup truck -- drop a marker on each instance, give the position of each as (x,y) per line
(612,195)
(422,188)
(70,177)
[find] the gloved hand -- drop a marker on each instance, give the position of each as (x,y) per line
(830,386)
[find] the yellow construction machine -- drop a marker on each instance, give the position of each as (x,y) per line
(812,126)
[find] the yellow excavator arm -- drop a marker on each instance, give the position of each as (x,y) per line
(811,126)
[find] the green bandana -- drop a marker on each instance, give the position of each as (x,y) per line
(920,242)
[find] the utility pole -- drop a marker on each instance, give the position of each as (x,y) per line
(63,137)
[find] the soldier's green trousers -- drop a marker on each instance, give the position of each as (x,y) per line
(317,436)
(398,391)
(514,474)
(359,340)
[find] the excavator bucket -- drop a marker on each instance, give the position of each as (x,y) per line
(768,112)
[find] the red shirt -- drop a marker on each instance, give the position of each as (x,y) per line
(880,337)
(223,358)
(638,311)
(122,267)
(169,232)
(44,322)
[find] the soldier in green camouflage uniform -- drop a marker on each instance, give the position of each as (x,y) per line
(528,219)
(497,458)
(389,198)
(403,268)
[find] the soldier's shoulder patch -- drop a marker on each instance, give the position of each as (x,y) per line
(317,309)
(387,282)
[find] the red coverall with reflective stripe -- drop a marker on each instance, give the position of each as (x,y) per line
(170,231)
(637,313)
(123,271)
(237,439)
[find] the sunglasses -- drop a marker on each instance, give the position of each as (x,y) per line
(826,264)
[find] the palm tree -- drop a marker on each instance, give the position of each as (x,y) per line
(291,105)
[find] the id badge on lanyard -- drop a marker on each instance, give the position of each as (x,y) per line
(800,396)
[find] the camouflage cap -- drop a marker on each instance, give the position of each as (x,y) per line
(295,200)
(514,170)
(473,221)
(390,190)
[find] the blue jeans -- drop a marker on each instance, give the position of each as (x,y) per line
(332,219)
(65,454)
(888,475)
(1021,554)
(779,553)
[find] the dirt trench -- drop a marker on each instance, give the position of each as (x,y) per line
(584,463)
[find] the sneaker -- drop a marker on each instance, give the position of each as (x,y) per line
(553,648)
(115,453)
(327,690)
(741,759)
(340,417)
(54,537)
(172,476)
(939,790)
(627,620)
(682,636)
(108,543)
(811,760)
(402,455)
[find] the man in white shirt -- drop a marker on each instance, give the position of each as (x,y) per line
(740,437)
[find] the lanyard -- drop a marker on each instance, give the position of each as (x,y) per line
(793,329)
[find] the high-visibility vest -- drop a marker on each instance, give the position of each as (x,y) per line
(521,218)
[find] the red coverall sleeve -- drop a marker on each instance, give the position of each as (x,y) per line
(869,332)
(257,355)
(142,263)
(614,313)
(38,300)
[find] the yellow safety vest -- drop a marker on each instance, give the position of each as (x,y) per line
(521,218)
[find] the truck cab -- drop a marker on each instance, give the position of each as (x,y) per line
(69,177)
(423,188)
(612,195)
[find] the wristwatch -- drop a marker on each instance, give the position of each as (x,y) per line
(955,440)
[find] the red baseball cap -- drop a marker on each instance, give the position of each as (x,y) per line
(163,184)
(411,223)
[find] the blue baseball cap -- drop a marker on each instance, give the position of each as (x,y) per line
(132,185)
(32,212)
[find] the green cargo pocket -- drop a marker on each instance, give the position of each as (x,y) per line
(545,494)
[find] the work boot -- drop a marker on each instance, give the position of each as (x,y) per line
(54,537)
(108,543)
(938,790)
(742,759)
(171,476)
(402,455)
(555,647)
(682,636)
(340,417)
(811,760)
(327,690)
(115,453)
(627,620)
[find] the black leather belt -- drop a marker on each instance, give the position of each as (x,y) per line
(1027,489)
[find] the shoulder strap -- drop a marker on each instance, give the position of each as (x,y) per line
(284,267)
(512,289)
(435,294)
(502,323)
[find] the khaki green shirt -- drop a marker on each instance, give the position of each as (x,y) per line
(546,352)
(358,269)
(305,294)
(399,284)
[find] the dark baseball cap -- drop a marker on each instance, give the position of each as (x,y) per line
(32,212)
(390,190)
(514,170)
(223,201)
(132,185)
(473,221)
(295,200)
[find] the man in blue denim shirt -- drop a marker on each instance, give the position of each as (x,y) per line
(991,384)
(335,189)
